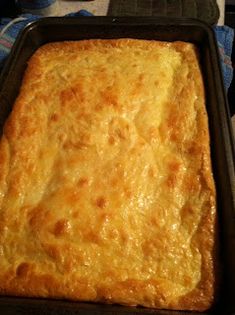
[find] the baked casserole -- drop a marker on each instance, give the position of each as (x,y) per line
(106,186)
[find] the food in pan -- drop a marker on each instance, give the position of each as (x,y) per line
(106,186)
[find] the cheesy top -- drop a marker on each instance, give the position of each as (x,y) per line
(106,189)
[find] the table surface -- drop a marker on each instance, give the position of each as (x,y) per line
(100,7)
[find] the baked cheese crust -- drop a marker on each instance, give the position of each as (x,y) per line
(106,187)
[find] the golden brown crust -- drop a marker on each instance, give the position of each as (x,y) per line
(106,188)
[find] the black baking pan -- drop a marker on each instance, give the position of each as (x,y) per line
(222,148)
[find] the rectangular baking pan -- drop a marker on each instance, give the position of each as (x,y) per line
(222,147)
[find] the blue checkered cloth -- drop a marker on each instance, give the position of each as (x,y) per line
(8,37)
(224,35)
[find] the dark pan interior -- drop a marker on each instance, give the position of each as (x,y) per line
(222,148)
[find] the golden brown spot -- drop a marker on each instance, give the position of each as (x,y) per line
(71,196)
(174,166)
(98,107)
(54,117)
(114,182)
(23,269)
(171,181)
(148,248)
(10,128)
(3,158)
(174,136)
(36,86)
(62,227)
(28,126)
(154,221)
(62,137)
(110,274)
(71,145)
(153,132)
(151,172)
(92,237)
(73,259)
(163,132)
(105,217)
(174,126)
(101,75)
(120,133)
(83,182)
(101,202)
(163,242)
(102,70)
(128,193)
(191,183)
(186,211)
(38,217)
(172,120)
(119,130)
(111,140)
(73,93)
(75,214)
(187,214)
(33,220)
(66,96)
(105,294)
(109,97)
(83,141)
(120,171)
(78,91)
(138,85)
(187,280)
(158,218)
(124,237)
(113,234)
(52,251)
(133,222)
(194,148)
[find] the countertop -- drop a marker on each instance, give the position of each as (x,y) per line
(100,7)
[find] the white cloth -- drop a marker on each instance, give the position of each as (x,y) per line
(221,4)
(97,7)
